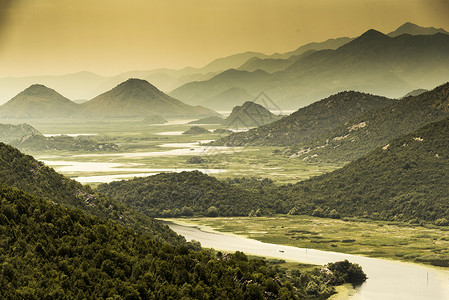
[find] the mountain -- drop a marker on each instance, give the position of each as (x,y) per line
(272,65)
(196,130)
(249,114)
(202,91)
(136,97)
(77,86)
(231,62)
(374,63)
(309,122)
(404,179)
(227,99)
(38,101)
(17,133)
(375,128)
(413,29)
(26,137)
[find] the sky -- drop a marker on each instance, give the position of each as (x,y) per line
(107,37)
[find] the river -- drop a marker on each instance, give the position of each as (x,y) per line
(387,279)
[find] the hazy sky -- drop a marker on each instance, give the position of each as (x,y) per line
(39,37)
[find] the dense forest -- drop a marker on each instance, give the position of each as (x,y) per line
(27,174)
(189,193)
(52,252)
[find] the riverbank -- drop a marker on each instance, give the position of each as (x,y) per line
(386,279)
(396,241)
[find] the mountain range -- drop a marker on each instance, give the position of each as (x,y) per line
(134,97)
(373,63)
(85,85)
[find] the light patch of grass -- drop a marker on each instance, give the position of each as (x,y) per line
(392,241)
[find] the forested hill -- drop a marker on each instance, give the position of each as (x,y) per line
(375,128)
(309,122)
(50,252)
(189,193)
(27,174)
(406,179)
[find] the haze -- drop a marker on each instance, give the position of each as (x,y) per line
(112,36)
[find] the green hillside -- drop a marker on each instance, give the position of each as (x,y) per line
(29,175)
(406,179)
(187,193)
(375,128)
(309,122)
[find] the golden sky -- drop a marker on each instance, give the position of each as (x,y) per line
(40,37)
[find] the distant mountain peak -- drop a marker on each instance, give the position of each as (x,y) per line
(37,101)
(39,90)
(43,92)
(373,34)
(138,97)
(250,114)
(136,88)
(413,29)
(136,83)
(367,39)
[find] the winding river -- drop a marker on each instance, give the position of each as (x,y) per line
(386,279)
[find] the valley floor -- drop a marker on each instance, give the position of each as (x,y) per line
(145,149)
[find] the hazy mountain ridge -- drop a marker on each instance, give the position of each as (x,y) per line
(309,122)
(228,99)
(272,65)
(413,29)
(375,128)
(373,63)
(131,98)
(200,92)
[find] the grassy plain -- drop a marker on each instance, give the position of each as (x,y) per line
(399,241)
(134,136)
